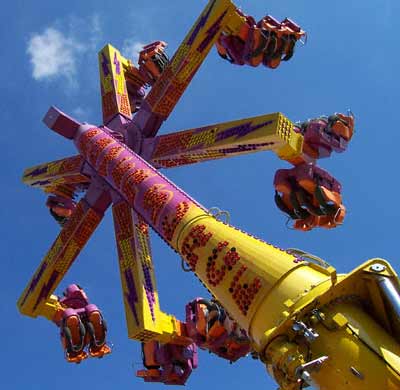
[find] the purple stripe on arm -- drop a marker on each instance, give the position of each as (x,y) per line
(200,25)
(131,296)
(211,32)
(117,64)
(37,172)
(35,281)
(240,130)
(104,65)
(151,299)
(47,287)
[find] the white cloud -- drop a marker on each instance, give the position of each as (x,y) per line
(58,50)
(87,31)
(52,54)
(80,113)
(131,49)
(65,49)
(95,32)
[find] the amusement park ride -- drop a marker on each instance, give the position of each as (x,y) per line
(289,309)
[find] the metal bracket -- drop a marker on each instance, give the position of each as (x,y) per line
(301,328)
(304,371)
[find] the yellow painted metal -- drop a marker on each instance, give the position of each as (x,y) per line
(285,357)
(145,319)
(266,289)
(58,177)
(249,282)
(265,132)
(293,141)
(218,16)
(58,259)
(273,312)
(114,94)
(362,355)
(363,350)
(51,307)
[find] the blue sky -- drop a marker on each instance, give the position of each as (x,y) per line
(49,48)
